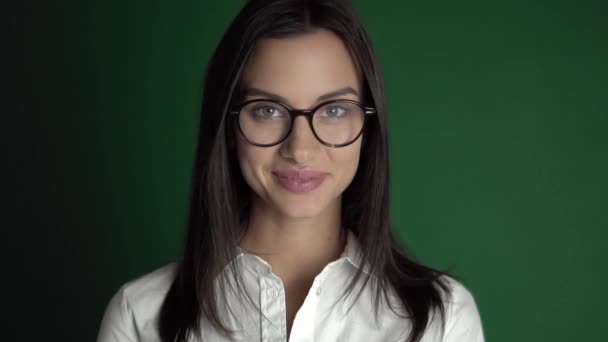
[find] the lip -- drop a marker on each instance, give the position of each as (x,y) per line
(299,181)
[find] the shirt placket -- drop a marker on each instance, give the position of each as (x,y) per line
(303,328)
(272,305)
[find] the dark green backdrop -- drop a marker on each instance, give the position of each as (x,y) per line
(498,122)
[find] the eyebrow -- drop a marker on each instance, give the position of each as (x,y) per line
(259,92)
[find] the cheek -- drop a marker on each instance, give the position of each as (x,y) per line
(245,157)
(251,162)
(345,163)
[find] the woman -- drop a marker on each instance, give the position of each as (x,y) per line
(289,235)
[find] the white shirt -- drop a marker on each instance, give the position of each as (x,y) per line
(132,313)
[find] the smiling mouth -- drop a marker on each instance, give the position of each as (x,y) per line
(299,184)
(297,179)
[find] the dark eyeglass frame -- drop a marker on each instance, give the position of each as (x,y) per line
(307,113)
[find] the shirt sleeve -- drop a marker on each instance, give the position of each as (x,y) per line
(464,322)
(117,324)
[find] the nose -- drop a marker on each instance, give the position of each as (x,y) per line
(301,145)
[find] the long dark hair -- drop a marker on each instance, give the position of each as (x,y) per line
(219,196)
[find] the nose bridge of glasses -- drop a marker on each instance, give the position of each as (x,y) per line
(303,117)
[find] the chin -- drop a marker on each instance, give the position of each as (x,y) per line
(302,208)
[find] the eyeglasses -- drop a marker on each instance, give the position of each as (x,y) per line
(335,123)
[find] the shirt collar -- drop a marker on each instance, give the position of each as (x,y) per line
(352,250)
(352,253)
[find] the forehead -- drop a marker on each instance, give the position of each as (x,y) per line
(303,67)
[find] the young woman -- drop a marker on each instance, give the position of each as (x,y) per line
(289,236)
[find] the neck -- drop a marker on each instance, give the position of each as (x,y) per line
(295,248)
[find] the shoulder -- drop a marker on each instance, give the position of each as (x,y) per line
(150,286)
(463,322)
(133,309)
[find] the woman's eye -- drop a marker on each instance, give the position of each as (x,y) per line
(267,111)
(334,112)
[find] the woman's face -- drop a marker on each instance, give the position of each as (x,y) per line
(300,69)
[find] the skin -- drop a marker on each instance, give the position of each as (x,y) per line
(298,234)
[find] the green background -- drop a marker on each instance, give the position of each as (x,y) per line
(498,121)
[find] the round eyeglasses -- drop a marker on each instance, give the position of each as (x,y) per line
(335,123)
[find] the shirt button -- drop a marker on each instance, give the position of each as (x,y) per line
(271,293)
(318,291)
